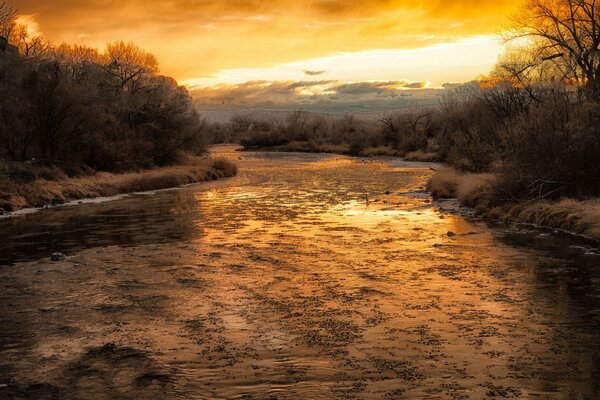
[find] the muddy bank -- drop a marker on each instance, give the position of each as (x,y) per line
(285,282)
(15,196)
(581,217)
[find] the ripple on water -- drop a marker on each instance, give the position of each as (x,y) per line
(285,282)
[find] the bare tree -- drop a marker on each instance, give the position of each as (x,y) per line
(418,119)
(298,125)
(400,126)
(566,35)
(78,54)
(30,46)
(77,59)
(241,123)
(8,15)
(390,127)
(506,98)
(129,63)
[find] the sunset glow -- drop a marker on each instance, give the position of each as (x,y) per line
(299,199)
(226,42)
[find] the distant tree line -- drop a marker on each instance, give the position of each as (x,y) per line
(541,140)
(534,122)
(75,107)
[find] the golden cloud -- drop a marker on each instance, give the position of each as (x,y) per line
(324,95)
(198,38)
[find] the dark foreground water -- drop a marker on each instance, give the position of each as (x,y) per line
(285,283)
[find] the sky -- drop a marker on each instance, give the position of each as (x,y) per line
(228,43)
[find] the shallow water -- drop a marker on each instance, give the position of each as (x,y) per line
(284,282)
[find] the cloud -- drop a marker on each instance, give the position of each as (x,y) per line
(325,95)
(305,84)
(256,92)
(31,22)
(452,85)
(194,39)
(369,87)
(415,85)
(313,73)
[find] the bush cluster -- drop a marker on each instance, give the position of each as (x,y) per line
(76,109)
(540,140)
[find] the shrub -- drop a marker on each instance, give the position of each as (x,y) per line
(552,151)
(69,111)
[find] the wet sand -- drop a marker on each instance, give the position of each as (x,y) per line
(282,283)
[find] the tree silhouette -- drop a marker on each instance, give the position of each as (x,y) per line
(8,15)
(566,35)
(129,63)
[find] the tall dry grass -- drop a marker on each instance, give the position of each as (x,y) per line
(41,192)
(577,216)
(422,156)
(478,191)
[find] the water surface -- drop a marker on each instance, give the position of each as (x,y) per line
(307,276)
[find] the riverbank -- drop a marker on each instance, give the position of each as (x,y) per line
(581,217)
(38,193)
(346,150)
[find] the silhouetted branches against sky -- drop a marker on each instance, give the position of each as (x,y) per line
(8,14)
(563,35)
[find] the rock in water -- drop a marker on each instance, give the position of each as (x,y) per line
(57,256)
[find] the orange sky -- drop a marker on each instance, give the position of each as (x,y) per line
(216,41)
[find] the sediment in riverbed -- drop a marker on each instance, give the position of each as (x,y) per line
(15,196)
(475,190)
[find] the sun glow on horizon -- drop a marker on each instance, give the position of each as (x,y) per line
(432,66)
(227,42)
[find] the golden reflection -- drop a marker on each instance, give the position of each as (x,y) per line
(335,282)
(291,286)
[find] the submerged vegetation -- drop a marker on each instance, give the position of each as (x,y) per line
(68,111)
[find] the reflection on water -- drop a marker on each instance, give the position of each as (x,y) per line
(307,276)
(141,219)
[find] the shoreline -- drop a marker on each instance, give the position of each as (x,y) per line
(576,217)
(104,186)
(344,150)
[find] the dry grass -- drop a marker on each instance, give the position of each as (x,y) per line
(578,216)
(41,192)
(312,147)
(476,190)
(469,188)
(473,189)
(423,156)
(383,151)
(444,184)
(299,147)
(335,148)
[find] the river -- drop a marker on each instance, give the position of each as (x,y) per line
(307,276)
